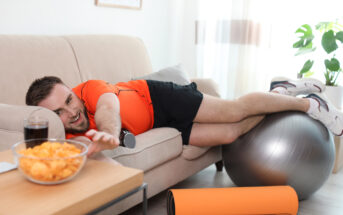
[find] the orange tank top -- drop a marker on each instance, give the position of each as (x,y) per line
(136,110)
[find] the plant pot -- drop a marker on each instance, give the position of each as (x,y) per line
(335,95)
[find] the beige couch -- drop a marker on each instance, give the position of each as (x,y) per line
(77,58)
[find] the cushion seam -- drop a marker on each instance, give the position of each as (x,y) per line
(75,57)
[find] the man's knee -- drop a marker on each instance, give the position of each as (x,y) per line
(230,137)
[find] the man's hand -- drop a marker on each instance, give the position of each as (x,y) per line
(101,141)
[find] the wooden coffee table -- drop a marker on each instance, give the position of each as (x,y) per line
(98,184)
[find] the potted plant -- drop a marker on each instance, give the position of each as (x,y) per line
(331,38)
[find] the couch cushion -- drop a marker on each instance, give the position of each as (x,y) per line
(153,148)
(26,58)
(192,152)
(176,74)
(113,58)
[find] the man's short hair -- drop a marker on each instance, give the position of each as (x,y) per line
(40,89)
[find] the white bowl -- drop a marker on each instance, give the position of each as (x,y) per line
(54,161)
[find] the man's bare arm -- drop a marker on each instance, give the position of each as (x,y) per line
(96,156)
(107,115)
(107,120)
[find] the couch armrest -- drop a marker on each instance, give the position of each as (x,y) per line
(207,86)
(11,123)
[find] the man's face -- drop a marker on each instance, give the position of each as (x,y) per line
(68,107)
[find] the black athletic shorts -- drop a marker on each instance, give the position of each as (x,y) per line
(175,106)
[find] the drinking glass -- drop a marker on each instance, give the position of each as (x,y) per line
(35,127)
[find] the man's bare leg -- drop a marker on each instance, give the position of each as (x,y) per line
(203,134)
(216,110)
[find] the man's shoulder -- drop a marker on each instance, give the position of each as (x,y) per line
(90,83)
(95,82)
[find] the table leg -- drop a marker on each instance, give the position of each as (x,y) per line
(143,187)
(145,199)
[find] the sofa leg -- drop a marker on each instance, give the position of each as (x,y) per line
(219,166)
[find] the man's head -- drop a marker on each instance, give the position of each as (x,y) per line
(50,92)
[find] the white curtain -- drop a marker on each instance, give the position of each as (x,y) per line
(243,44)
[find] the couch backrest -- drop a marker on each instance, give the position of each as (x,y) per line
(74,58)
(111,58)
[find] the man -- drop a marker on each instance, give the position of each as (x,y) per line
(98,110)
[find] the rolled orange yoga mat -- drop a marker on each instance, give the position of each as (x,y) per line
(234,200)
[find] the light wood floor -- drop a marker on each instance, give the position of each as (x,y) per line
(328,200)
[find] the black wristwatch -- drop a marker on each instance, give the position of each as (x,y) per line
(127,139)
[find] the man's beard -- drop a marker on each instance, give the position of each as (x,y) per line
(79,131)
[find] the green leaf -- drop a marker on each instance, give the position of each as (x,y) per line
(339,36)
(305,29)
(326,26)
(305,37)
(308,74)
(322,26)
(307,66)
(332,65)
(304,51)
(329,42)
(298,44)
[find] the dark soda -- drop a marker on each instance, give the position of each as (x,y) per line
(35,132)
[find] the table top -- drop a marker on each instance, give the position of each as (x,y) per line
(97,183)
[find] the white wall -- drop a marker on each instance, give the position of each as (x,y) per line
(160,24)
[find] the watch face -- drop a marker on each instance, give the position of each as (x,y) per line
(127,139)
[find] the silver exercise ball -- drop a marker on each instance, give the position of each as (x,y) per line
(287,148)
